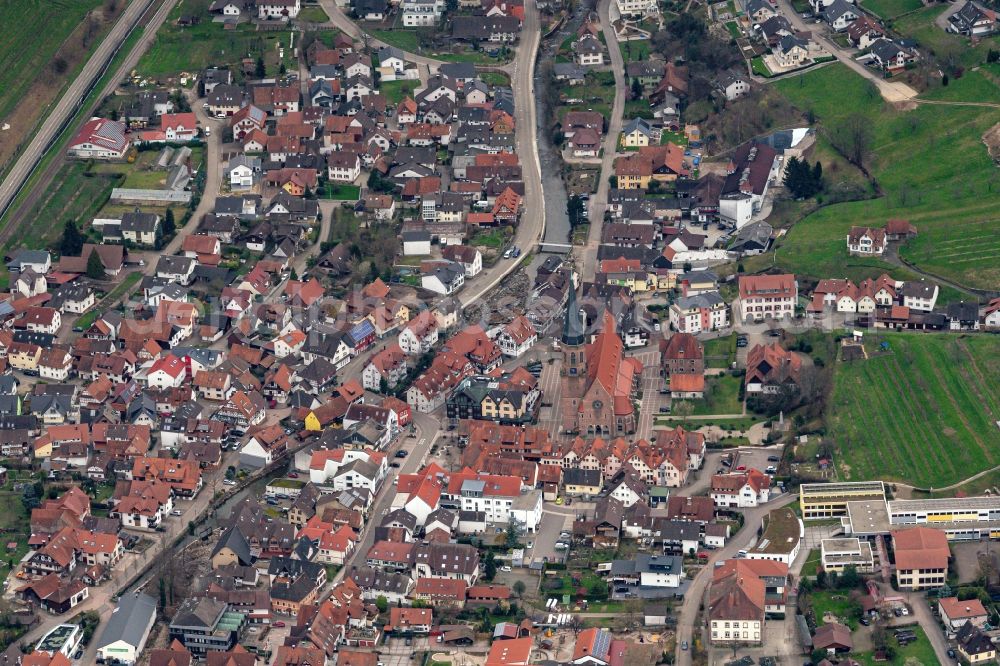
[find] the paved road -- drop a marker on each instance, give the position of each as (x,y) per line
(532,225)
(347,25)
(80,87)
(599,201)
(686,629)
(427,431)
(892,91)
(531,228)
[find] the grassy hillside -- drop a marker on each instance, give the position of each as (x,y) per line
(932,166)
(924,413)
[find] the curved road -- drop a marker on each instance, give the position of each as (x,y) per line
(521,70)
(686,629)
(599,202)
(68,104)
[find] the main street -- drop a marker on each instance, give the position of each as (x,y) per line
(599,201)
(84,82)
(688,615)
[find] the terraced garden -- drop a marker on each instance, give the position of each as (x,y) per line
(925,413)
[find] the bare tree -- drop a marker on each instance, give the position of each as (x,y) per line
(853,138)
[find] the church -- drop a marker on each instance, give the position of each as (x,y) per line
(599,383)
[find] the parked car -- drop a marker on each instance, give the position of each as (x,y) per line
(293,475)
(402,453)
(278,625)
(505,568)
(741,468)
(228,482)
(773,459)
(684,645)
(176,512)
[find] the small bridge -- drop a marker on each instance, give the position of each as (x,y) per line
(555,248)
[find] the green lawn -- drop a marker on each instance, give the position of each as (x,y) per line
(891,8)
(637,108)
(733,29)
(395,91)
(721,396)
(919,26)
(634,51)
(192,48)
(494,78)
(122,287)
(741,424)
(341,192)
(759,68)
(402,38)
(313,14)
(924,413)
(15,529)
(811,566)
(932,167)
(720,352)
(839,604)
(920,650)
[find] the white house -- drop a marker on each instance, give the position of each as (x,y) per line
(124,635)
(516,338)
(416,243)
(419,335)
(741,490)
(444,278)
(244,172)
(701,312)
(866,242)
(343,166)
(919,295)
(278,9)
(166,372)
(470,258)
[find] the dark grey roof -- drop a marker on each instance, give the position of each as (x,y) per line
(233,539)
(199,612)
(458,70)
(581,477)
(129,621)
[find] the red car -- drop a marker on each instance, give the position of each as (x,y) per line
(702,555)
(278,625)
(293,475)
(741,468)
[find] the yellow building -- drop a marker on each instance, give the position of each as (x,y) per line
(582,481)
(829,500)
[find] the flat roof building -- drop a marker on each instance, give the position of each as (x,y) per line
(838,554)
(781,539)
(829,500)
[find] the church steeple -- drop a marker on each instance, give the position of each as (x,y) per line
(574,328)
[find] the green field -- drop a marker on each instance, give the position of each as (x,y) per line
(759,68)
(395,91)
(734,30)
(925,413)
(193,48)
(891,8)
(32,36)
(722,396)
(720,352)
(72,195)
(933,169)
